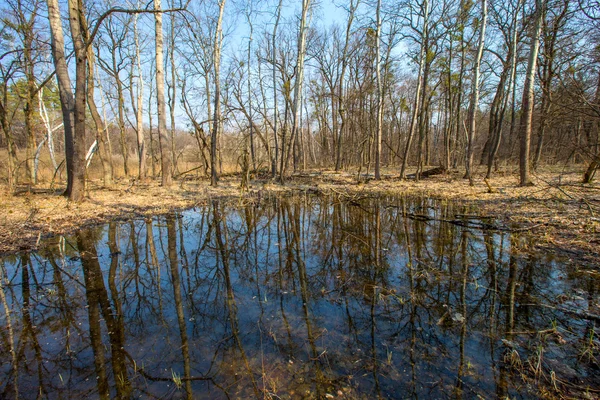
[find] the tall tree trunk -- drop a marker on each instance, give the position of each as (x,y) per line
(379,128)
(74,158)
(139,108)
(297,104)
(417,101)
(449,105)
(76,180)
(341,99)
(163,141)
(107,170)
(475,95)
(547,76)
(26,19)
(497,116)
(67,102)
(275,161)
(527,102)
(173,93)
(28,110)
(250,94)
(589,173)
(121,115)
(11,148)
(150,127)
(462,18)
(214,136)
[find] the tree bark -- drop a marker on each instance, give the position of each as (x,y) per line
(172,92)
(379,128)
(275,160)
(214,176)
(11,148)
(547,76)
(139,125)
(76,188)
(107,169)
(67,101)
(417,101)
(528,98)
(297,103)
(500,102)
(341,99)
(163,141)
(475,95)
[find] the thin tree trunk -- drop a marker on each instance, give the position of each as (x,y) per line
(297,104)
(341,99)
(121,116)
(107,171)
(547,77)
(11,148)
(49,130)
(250,94)
(379,128)
(527,103)
(497,118)
(475,95)
(275,161)
(172,95)
(417,104)
(139,108)
(163,141)
(588,176)
(106,135)
(214,177)
(67,102)
(150,128)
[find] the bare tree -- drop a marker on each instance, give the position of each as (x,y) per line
(424,6)
(275,109)
(527,102)
(138,104)
(379,128)
(105,155)
(475,94)
(165,154)
(297,102)
(214,137)
(24,26)
(551,32)
(6,118)
(501,98)
(74,158)
(77,21)
(117,30)
(352,6)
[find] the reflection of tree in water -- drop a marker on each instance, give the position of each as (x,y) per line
(98,305)
(303,296)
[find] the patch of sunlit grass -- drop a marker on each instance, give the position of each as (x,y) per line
(176,379)
(589,348)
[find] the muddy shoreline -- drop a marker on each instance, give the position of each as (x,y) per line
(563,213)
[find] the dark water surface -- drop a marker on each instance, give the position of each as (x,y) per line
(299,297)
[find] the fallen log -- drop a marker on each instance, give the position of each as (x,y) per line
(428,173)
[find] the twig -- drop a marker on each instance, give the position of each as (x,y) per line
(580,314)
(160,378)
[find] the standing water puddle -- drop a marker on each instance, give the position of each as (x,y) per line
(299,297)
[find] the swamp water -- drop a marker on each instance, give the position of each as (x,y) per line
(297,297)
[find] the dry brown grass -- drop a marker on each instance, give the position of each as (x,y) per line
(563,213)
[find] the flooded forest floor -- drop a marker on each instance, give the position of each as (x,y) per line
(561,211)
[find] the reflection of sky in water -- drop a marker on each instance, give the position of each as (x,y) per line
(317,296)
